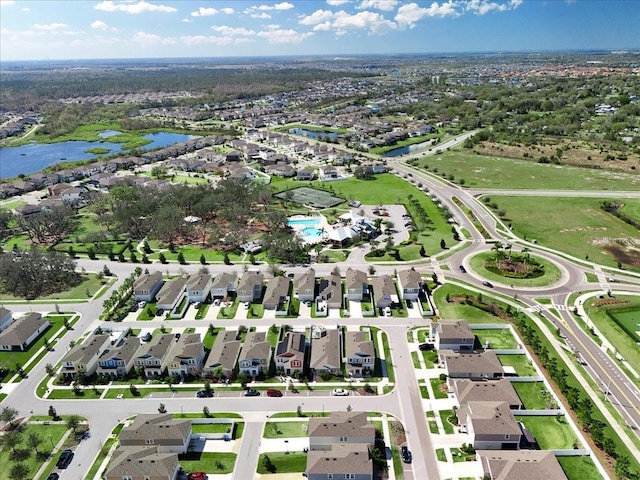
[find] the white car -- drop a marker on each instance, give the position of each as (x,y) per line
(216,302)
(340,392)
(247,305)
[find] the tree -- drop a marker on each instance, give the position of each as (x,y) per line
(11,439)
(205,412)
(268,464)
(443,244)
(162,258)
(73,422)
(181,259)
(19,471)
(203,259)
(162,408)
(227,260)
(50,369)
(622,467)
(34,441)
(423,253)
(52,412)
(134,390)
(8,415)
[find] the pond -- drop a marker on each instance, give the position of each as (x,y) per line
(34,157)
(408,149)
(315,134)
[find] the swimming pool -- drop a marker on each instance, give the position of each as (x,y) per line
(307,222)
(308,228)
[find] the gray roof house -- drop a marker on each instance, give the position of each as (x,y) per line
(453,335)
(223,284)
(409,283)
(346,460)
(290,353)
(486,391)
(6,318)
(304,285)
(142,463)
(384,291)
(250,286)
(186,355)
(171,294)
(357,284)
(491,425)
(223,356)
(340,428)
(161,430)
(361,357)
(520,465)
(154,356)
(83,357)
(330,291)
(117,361)
(146,286)
(276,293)
(476,366)
(325,352)
(255,354)
(23,331)
(198,287)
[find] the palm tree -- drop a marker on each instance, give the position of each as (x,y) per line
(498,248)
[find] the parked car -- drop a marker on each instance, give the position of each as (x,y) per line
(426,346)
(205,394)
(251,392)
(142,304)
(487,284)
(65,458)
(462,269)
(196,305)
(53,476)
(247,305)
(406,454)
(197,476)
(146,337)
(340,392)
(409,304)
(272,392)
(216,302)
(133,307)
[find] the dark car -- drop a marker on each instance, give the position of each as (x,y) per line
(487,284)
(65,459)
(406,454)
(426,346)
(272,392)
(205,394)
(462,269)
(53,476)
(251,392)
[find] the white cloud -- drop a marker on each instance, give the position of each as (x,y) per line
(228,10)
(266,8)
(187,20)
(204,12)
(133,8)
(317,17)
(283,6)
(482,7)
(50,27)
(261,15)
(385,5)
(408,15)
(337,3)
(232,31)
(151,39)
(274,34)
(374,22)
(7,3)
(99,25)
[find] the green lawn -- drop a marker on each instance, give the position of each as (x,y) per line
(520,363)
(415,359)
(424,391)
(87,393)
(210,462)
(430,358)
(579,468)
(293,462)
(499,338)
(448,420)
(549,432)
(440,455)
(286,429)
(89,285)
(189,180)
(211,428)
(436,383)
(497,172)
(228,312)
(454,310)
(551,275)
(534,395)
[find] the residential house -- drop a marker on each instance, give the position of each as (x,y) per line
(186,355)
(5,318)
(330,291)
(490,425)
(306,174)
(223,356)
(453,335)
(357,284)
(118,361)
(83,357)
(223,284)
(146,286)
(351,460)
(280,170)
(172,294)
(167,434)
(340,428)
(410,284)
(476,366)
(290,353)
(328,172)
(250,286)
(199,287)
(520,465)
(255,354)
(26,210)
(325,351)
(276,294)
(22,332)
(142,463)
(361,357)
(384,291)
(153,357)
(467,390)
(304,285)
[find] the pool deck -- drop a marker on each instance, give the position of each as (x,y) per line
(321,224)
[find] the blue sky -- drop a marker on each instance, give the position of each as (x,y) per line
(81,29)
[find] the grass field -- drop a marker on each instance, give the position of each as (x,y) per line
(550,432)
(448,420)
(534,395)
(455,310)
(630,322)
(496,172)
(579,468)
(631,208)
(210,462)
(89,285)
(500,338)
(294,462)
(286,429)
(520,363)
(579,227)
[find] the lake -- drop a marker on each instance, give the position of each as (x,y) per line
(408,149)
(34,157)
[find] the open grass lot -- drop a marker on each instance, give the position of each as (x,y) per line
(286,429)
(454,310)
(210,462)
(579,468)
(631,208)
(29,457)
(90,284)
(498,338)
(550,432)
(551,275)
(520,363)
(629,321)
(189,180)
(579,227)
(534,395)
(293,462)
(496,172)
